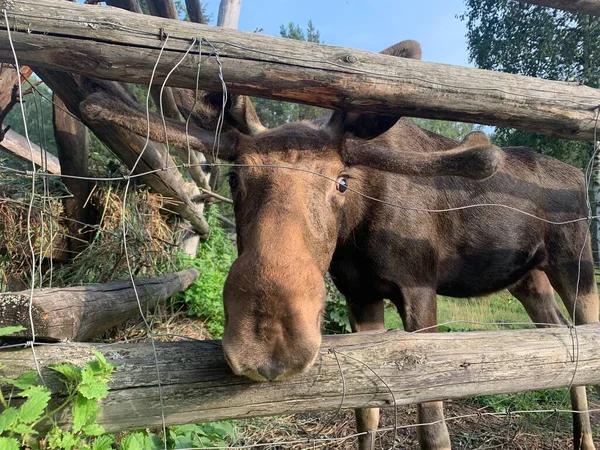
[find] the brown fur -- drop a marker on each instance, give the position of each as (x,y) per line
(294,225)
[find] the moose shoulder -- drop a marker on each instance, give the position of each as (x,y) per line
(360,195)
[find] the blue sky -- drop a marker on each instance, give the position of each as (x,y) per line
(366,24)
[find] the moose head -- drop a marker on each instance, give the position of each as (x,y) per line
(294,191)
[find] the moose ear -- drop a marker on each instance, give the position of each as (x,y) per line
(366,125)
(474,158)
(239,112)
(405,49)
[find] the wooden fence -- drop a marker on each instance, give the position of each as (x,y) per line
(361,369)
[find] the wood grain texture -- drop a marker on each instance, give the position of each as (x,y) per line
(17,145)
(591,7)
(111,43)
(197,385)
(82,312)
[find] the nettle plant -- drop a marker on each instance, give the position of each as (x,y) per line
(84,387)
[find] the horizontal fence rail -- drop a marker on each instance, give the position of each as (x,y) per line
(119,45)
(363,369)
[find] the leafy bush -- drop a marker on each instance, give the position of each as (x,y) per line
(204,298)
(83,386)
(336,319)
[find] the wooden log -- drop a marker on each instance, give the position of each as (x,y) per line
(82,312)
(373,369)
(194,9)
(72,143)
(8,85)
(122,45)
(591,7)
(16,145)
(73,89)
(229,13)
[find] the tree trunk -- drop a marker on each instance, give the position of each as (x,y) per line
(194,9)
(229,13)
(73,89)
(372,369)
(83,312)
(596,206)
(591,7)
(285,69)
(9,88)
(72,144)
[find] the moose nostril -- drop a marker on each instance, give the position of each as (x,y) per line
(271,371)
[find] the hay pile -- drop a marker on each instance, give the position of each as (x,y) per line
(152,235)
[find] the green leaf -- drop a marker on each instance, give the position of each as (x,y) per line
(38,398)
(8,444)
(103,442)
(5,331)
(153,442)
(91,387)
(26,380)
(104,365)
(225,428)
(69,441)
(8,418)
(93,429)
(70,372)
(23,429)
(85,412)
(133,441)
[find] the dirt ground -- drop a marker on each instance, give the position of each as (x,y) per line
(471,426)
(478,431)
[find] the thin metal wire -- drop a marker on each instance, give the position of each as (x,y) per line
(193,108)
(162,88)
(30,209)
(312,441)
(574,333)
(126,252)
(299,169)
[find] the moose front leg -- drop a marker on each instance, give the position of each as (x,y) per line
(418,308)
(365,317)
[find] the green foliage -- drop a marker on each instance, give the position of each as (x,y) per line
(541,42)
(273,113)
(453,130)
(83,386)
(335,320)
(38,114)
(6,331)
(204,298)
(216,434)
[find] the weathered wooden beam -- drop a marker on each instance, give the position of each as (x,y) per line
(116,44)
(591,7)
(194,9)
(82,312)
(229,13)
(72,143)
(16,145)
(357,370)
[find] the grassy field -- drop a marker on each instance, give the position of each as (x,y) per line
(497,311)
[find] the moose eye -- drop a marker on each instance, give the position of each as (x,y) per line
(341,184)
(233,181)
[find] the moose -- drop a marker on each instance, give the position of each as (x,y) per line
(358,195)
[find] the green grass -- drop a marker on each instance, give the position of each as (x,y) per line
(497,311)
